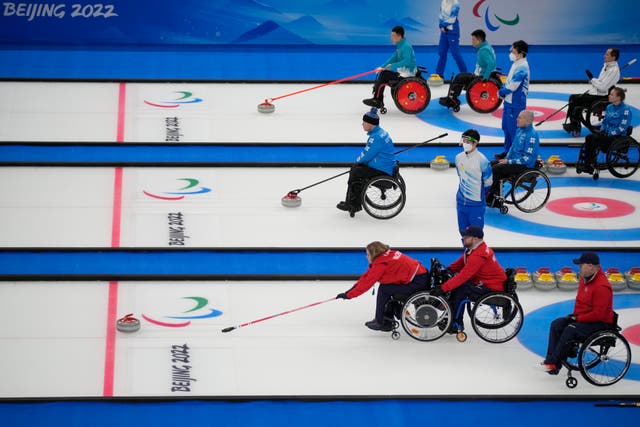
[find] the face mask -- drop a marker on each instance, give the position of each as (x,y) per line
(512,57)
(467,147)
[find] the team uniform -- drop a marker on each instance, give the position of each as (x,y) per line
(401,64)
(617,118)
(514,92)
(397,274)
(450,37)
(474,171)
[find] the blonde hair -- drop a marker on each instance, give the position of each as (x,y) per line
(376,248)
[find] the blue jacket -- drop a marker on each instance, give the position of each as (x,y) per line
(616,119)
(525,147)
(378,153)
(516,88)
(486,60)
(403,61)
(448,19)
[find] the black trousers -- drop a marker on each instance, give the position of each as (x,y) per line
(459,82)
(562,332)
(459,294)
(383,78)
(578,103)
(386,291)
(593,143)
(357,177)
(503,171)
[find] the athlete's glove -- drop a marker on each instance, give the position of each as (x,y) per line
(589,74)
(571,318)
(342,295)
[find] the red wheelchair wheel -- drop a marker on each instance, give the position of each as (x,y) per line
(482,95)
(411,95)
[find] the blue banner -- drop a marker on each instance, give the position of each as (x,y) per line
(310,22)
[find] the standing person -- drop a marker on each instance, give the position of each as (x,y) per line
(401,64)
(377,158)
(600,86)
(592,311)
(522,155)
(478,274)
(449,36)
(474,171)
(485,65)
(514,92)
(398,275)
(617,117)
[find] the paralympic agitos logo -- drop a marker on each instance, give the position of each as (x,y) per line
(197,312)
(192,188)
(183,98)
(487,19)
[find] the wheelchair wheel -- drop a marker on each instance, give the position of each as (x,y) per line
(623,157)
(411,95)
(530,191)
(482,95)
(594,115)
(497,317)
(604,358)
(425,317)
(384,196)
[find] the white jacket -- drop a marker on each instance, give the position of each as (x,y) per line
(609,76)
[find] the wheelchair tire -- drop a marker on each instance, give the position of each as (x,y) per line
(425,317)
(411,95)
(497,317)
(623,157)
(531,190)
(482,95)
(604,358)
(384,196)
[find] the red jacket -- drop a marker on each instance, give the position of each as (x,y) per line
(391,267)
(594,301)
(478,266)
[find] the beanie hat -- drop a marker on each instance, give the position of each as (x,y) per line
(371,117)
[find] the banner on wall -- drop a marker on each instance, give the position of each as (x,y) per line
(315,22)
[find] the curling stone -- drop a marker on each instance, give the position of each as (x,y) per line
(555,165)
(543,279)
(266,107)
(128,323)
(435,80)
(617,279)
(633,278)
(439,163)
(291,200)
(567,279)
(523,278)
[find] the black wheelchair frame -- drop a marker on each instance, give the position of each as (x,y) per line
(410,94)
(524,190)
(622,159)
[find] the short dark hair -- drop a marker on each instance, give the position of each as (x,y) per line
(521,46)
(615,52)
(398,30)
(479,34)
(619,92)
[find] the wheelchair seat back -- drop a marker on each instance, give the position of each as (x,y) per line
(439,273)
(510,284)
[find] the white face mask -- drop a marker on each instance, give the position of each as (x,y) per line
(512,57)
(466,147)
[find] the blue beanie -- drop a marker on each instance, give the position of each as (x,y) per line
(371,117)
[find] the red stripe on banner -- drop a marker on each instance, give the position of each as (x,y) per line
(112,305)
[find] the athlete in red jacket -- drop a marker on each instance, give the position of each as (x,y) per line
(478,273)
(592,311)
(397,274)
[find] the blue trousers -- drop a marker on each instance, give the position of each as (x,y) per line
(509,123)
(470,215)
(386,291)
(450,41)
(562,332)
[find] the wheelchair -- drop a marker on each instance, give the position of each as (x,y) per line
(496,317)
(384,196)
(482,95)
(410,94)
(528,191)
(590,117)
(621,159)
(602,358)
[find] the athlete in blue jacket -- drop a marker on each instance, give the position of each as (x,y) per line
(401,64)
(522,155)
(474,171)
(377,158)
(449,36)
(514,92)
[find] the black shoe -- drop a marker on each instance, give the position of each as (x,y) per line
(344,206)
(568,127)
(500,155)
(373,102)
(375,326)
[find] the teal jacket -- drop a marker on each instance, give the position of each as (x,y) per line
(485,61)
(403,61)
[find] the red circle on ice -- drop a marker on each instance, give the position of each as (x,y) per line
(590,207)
(539,113)
(632,334)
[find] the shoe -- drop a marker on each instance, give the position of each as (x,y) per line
(549,368)
(575,133)
(568,127)
(375,326)
(373,102)
(500,155)
(344,206)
